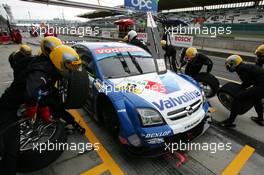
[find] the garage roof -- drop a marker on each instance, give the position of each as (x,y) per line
(167,5)
(98,14)
(176,4)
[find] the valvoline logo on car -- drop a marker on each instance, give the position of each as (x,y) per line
(175,101)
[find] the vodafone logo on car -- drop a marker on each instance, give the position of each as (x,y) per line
(117,50)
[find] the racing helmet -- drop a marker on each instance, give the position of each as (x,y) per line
(47,44)
(25,49)
(260,51)
(131,35)
(163,43)
(65,58)
(190,54)
(232,62)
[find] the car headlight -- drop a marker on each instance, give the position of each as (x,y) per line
(150,117)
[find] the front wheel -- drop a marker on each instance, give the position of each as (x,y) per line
(208,83)
(110,119)
(77,90)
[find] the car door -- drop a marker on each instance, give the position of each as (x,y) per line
(88,64)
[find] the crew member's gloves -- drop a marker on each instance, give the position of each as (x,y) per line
(44,112)
(31,111)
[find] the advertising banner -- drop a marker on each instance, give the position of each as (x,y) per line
(143,37)
(106,34)
(142,5)
(182,40)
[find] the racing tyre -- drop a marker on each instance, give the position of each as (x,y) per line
(226,96)
(77,90)
(209,83)
(30,158)
(110,119)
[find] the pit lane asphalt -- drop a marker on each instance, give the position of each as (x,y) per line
(199,162)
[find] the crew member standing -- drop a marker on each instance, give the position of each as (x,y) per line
(132,39)
(170,54)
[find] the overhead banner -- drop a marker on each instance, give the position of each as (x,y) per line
(182,40)
(142,5)
(106,34)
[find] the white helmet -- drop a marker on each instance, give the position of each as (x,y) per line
(131,35)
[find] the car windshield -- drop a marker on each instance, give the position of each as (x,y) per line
(126,65)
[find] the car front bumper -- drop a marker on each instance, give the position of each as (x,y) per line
(158,149)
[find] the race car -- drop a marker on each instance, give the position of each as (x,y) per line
(145,108)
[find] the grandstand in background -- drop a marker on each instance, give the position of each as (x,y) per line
(245,18)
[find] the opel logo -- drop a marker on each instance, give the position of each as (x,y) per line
(189,110)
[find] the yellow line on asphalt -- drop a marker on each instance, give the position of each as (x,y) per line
(109,163)
(96,170)
(240,160)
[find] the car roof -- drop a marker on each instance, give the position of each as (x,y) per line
(95,45)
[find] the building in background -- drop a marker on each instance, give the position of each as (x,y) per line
(5,17)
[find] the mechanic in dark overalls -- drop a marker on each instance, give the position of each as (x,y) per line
(194,62)
(170,54)
(260,55)
(70,61)
(132,39)
(20,59)
(24,90)
(252,77)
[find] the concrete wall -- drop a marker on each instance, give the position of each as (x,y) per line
(228,43)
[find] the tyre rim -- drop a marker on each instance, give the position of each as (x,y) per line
(206,88)
(35,133)
(225,99)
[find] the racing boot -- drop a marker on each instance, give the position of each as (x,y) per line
(78,128)
(72,125)
(257,120)
(227,123)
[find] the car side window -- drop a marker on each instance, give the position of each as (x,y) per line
(87,60)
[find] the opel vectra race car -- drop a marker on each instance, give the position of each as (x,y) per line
(144,108)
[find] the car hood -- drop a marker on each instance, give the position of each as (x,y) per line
(166,92)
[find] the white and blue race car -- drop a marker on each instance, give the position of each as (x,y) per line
(146,109)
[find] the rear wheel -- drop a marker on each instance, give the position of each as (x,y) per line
(208,83)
